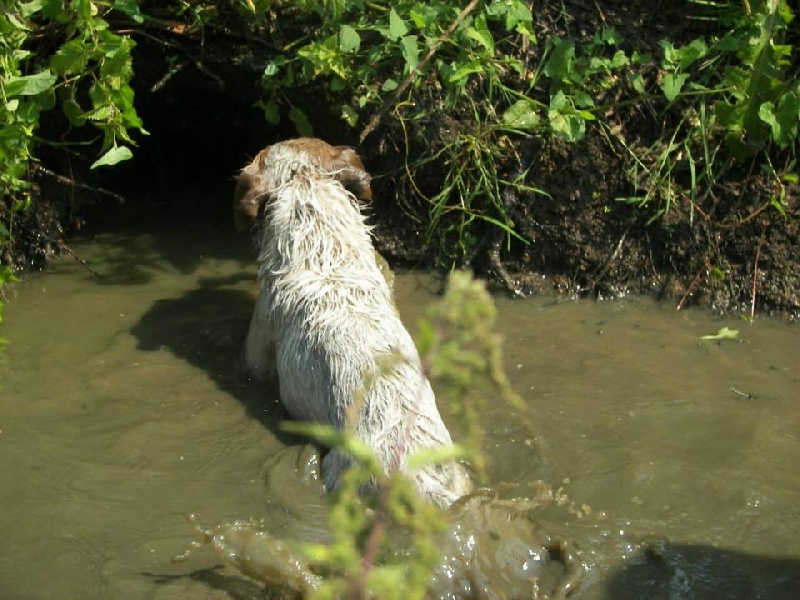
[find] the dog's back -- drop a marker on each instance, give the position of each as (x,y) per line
(325,322)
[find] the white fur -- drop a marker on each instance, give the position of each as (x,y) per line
(325,319)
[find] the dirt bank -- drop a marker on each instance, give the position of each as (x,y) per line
(727,248)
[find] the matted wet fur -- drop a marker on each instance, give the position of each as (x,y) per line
(325,322)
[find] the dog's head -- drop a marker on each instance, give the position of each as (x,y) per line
(276,164)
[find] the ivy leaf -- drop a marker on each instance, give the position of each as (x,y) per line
(113,156)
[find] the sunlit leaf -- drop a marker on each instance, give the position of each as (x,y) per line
(723,334)
(115,155)
(397,27)
(410,51)
(349,39)
(29,85)
(523,114)
(672,83)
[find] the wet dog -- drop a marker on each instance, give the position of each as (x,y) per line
(325,322)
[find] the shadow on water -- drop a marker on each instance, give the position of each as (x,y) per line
(205,327)
(666,570)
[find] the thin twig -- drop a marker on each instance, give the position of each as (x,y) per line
(376,118)
(78,184)
(691,287)
(83,263)
(755,273)
(598,277)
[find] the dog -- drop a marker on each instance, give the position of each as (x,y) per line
(325,322)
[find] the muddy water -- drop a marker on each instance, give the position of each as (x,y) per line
(674,460)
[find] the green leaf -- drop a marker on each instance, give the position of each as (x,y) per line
(523,114)
(783,119)
(723,334)
(620,60)
(71,58)
(130,8)
(101,113)
(475,66)
(564,120)
(115,155)
(480,33)
(397,27)
(559,64)
(27,9)
(349,115)
(29,85)
(272,112)
(301,122)
(682,58)
(349,39)
(672,83)
(637,82)
(410,51)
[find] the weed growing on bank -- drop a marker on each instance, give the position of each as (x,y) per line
(465,82)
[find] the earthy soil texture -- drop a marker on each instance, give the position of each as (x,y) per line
(732,251)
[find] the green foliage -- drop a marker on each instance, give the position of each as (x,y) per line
(365,49)
(738,95)
(577,74)
(738,87)
(745,76)
(385,546)
(55,53)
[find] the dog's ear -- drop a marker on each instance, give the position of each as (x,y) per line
(351,173)
(252,190)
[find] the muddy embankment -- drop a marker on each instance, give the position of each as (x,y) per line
(732,251)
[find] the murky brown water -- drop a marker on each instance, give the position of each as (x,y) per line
(121,412)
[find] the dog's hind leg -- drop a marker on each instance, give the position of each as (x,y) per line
(258,354)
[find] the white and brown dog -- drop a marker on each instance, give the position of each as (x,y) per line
(325,321)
